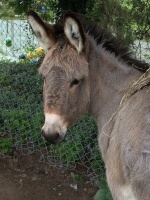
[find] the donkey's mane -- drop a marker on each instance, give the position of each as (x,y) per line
(108,42)
(114,45)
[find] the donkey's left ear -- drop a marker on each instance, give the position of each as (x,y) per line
(74,31)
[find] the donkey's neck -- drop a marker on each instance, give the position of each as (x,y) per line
(110,78)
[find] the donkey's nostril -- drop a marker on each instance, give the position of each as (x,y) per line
(50,137)
(54,136)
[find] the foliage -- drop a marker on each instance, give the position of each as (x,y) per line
(142,24)
(5,10)
(76,6)
(103,193)
(21,7)
(5,79)
(147,56)
(5,145)
(20,87)
(111,16)
(77,178)
(122,18)
(21,118)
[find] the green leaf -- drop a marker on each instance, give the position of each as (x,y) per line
(2,144)
(77,178)
(101,194)
(16,123)
(4,150)
(103,184)
(109,196)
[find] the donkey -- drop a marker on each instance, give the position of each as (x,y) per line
(89,72)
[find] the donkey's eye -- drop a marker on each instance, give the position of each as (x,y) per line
(74,83)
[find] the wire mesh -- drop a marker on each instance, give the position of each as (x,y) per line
(22,117)
(19,34)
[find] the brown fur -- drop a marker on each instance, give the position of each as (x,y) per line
(104,77)
(59,68)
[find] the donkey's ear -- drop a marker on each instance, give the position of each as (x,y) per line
(43,31)
(74,31)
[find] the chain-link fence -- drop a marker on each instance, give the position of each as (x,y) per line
(22,117)
(15,39)
(21,112)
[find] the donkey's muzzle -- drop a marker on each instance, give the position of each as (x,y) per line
(54,128)
(52,138)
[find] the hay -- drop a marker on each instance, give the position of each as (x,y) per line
(142,82)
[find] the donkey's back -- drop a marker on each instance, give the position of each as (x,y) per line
(128,154)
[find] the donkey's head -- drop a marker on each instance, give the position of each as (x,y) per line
(65,70)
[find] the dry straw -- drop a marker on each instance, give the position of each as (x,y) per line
(143,81)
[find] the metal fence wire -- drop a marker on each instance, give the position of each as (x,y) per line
(15,39)
(21,117)
(21,109)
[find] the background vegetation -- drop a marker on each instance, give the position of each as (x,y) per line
(21,118)
(127,19)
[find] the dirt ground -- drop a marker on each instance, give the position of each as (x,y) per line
(24,178)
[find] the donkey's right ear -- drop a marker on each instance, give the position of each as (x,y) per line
(43,31)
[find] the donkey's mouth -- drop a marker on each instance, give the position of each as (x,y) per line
(53,138)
